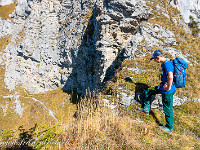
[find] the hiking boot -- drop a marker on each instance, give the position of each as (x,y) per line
(142,110)
(166,129)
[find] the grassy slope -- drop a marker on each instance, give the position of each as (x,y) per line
(6,10)
(126,129)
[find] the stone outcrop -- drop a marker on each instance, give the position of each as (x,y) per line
(76,44)
(67,43)
(188,8)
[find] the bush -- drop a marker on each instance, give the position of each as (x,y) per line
(194,26)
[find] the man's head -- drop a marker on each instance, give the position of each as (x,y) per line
(157,56)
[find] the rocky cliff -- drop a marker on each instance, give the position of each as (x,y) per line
(67,43)
(188,8)
(73,44)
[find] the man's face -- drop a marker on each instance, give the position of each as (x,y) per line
(157,59)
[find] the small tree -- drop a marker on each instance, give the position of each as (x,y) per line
(194,26)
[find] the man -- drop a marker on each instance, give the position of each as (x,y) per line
(166,88)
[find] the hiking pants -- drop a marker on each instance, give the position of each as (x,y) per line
(167,100)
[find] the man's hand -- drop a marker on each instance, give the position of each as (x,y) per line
(166,88)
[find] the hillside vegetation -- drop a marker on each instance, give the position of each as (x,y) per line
(123,128)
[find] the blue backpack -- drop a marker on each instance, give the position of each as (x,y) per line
(180,66)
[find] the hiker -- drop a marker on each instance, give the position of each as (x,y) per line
(166,88)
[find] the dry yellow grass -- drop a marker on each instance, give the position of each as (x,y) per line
(60,102)
(123,128)
(6,10)
(4,41)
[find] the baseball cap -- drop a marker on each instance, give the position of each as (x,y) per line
(156,53)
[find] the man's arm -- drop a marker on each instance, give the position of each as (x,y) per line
(169,82)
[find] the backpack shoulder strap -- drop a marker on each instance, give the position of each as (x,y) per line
(163,66)
(171,60)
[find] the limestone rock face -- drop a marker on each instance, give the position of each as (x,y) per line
(6,2)
(76,45)
(188,8)
(32,57)
(67,43)
(108,31)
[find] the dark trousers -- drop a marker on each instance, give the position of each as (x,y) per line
(167,100)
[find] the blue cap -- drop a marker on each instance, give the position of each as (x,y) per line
(155,54)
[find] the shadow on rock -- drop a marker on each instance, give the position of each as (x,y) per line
(85,62)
